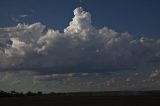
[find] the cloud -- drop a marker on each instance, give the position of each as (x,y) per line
(81,1)
(154,74)
(81,48)
(51,77)
(69,82)
(14,19)
(23,15)
(110,82)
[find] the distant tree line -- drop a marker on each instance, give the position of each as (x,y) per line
(29,93)
(105,93)
(14,93)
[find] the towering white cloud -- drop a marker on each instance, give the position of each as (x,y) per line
(80,48)
(80,25)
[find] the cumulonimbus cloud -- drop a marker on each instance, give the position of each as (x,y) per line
(80,48)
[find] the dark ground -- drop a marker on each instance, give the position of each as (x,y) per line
(49,100)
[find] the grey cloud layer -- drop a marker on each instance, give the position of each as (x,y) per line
(80,48)
(70,82)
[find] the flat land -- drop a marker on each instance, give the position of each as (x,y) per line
(50,100)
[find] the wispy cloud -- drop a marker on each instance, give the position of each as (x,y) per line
(23,15)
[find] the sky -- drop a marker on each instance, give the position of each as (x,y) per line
(139,17)
(79,45)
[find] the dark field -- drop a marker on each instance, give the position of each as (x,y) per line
(50,100)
